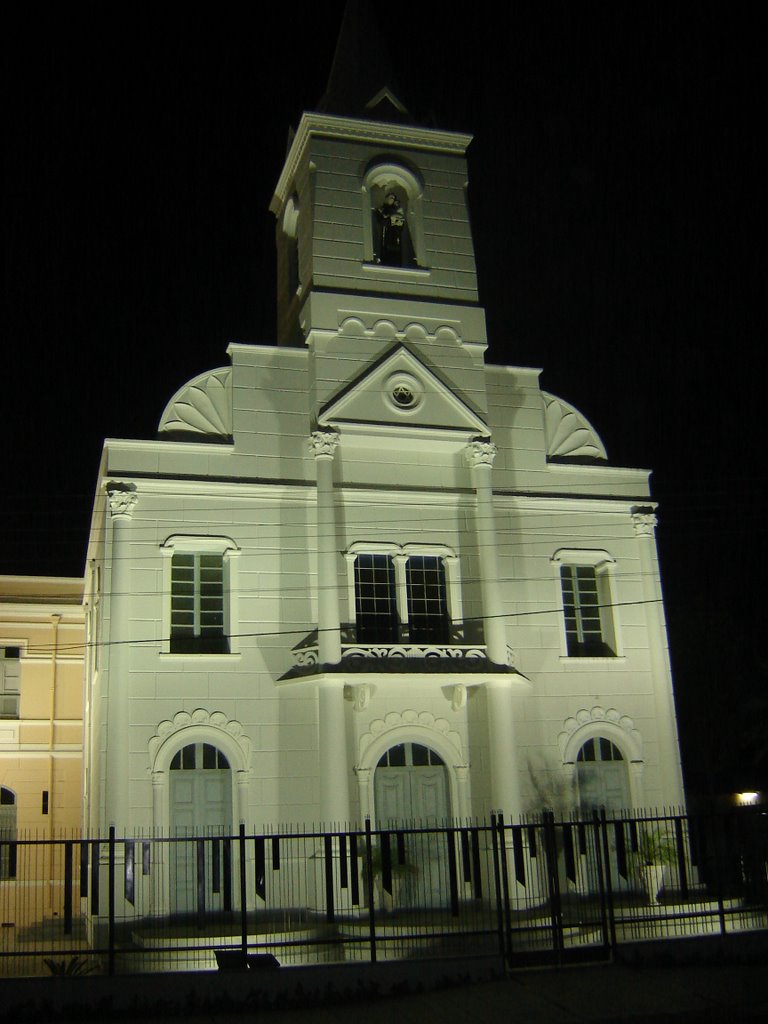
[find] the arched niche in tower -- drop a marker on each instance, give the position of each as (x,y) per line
(291,231)
(392,216)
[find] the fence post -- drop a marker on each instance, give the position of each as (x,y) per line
(111,899)
(606,920)
(505,887)
(497,886)
(608,880)
(243,897)
(369,889)
(556,910)
(68,879)
(714,835)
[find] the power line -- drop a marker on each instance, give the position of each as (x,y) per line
(304,629)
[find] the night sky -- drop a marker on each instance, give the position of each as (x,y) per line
(616,180)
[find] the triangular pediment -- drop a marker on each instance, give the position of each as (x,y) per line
(399,393)
(385,102)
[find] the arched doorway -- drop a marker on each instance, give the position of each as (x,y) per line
(602,778)
(603,782)
(411,785)
(411,788)
(200,806)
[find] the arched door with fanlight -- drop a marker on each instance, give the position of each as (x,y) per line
(411,789)
(603,782)
(601,772)
(200,807)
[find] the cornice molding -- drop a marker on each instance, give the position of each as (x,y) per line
(586,504)
(266,490)
(395,136)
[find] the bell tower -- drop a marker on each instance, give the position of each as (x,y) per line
(373,230)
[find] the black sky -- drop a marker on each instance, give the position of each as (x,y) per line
(615,186)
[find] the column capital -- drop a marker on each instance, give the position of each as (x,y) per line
(323,443)
(480,452)
(644,521)
(122,500)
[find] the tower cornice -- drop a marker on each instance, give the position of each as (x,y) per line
(353,129)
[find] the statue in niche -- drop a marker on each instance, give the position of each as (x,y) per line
(392,241)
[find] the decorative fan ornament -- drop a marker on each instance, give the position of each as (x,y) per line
(204,406)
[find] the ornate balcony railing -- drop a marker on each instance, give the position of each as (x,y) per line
(464,643)
(309,655)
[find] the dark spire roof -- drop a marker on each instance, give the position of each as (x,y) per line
(362,78)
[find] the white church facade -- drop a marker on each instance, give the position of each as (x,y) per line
(362,572)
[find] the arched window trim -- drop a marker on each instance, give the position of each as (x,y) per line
(628,746)
(162,751)
(425,737)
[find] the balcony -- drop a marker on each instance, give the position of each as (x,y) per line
(461,648)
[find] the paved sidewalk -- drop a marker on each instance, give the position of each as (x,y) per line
(608,994)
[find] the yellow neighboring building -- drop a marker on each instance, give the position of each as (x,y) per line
(42,643)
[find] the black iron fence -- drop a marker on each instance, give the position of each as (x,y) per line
(546,889)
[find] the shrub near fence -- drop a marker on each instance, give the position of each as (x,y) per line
(545,889)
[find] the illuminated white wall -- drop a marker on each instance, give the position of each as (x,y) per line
(233,461)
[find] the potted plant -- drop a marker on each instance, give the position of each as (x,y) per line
(655,850)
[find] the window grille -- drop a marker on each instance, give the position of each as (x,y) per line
(197,604)
(427,605)
(585,611)
(375,599)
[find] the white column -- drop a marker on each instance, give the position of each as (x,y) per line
(241,783)
(121,503)
(636,790)
(644,523)
(364,791)
(505,783)
(334,765)
(159,801)
(480,455)
(461,810)
(323,444)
